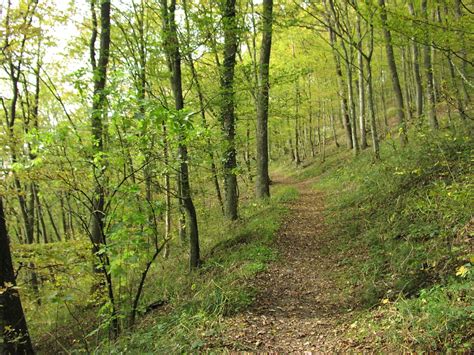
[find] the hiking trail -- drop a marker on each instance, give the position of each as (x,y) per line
(299,306)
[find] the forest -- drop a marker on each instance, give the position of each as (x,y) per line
(196,176)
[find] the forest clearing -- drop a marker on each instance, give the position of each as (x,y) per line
(276,176)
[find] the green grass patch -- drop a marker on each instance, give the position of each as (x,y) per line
(407,222)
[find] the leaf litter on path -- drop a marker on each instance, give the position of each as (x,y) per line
(298,307)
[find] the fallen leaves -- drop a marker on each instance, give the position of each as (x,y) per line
(298,307)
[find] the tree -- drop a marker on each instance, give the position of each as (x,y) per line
(392,66)
(16,338)
(227,108)
(173,55)
(428,66)
(263,179)
(344,107)
(98,121)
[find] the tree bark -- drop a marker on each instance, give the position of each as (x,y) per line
(416,69)
(16,338)
(361,88)
(430,88)
(227,108)
(202,108)
(98,118)
(263,179)
(341,88)
(370,97)
(397,89)
(174,63)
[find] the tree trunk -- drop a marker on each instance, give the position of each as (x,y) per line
(174,64)
(350,91)
(263,179)
(98,118)
(416,69)
(406,85)
(341,90)
(333,127)
(310,104)
(227,108)
(202,108)
(16,338)
(397,89)
(430,89)
(361,88)
(51,220)
(166,251)
(370,98)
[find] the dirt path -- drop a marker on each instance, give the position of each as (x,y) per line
(299,307)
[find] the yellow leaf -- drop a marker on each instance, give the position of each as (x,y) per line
(385,301)
(462,271)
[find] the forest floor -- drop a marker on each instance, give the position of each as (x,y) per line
(300,305)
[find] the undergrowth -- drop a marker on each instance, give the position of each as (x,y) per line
(198,301)
(408,221)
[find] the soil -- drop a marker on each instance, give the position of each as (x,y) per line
(300,305)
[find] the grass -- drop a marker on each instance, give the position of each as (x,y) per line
(198,301)
(408,222)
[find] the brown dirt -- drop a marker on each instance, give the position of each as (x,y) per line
(300,307)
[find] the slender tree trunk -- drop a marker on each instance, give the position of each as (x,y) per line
(70,217)
(202,108)
(51,220)
(341,90)
(297,124)
(458,4)
(406,85)
(394,73)
(290,139)
(263,179)
(458,99)
(350,91)
(323,128)
(361,88)
(227,108)
(318,131)
(370,98)
(416,69)
(248,154)
(98,106)
(310,103)
(430,88)
(174,64)
(98,118)
(333,127)
(373,121)
(13,327)
(64,219)
(40,217)
(384,104)
(166,251)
